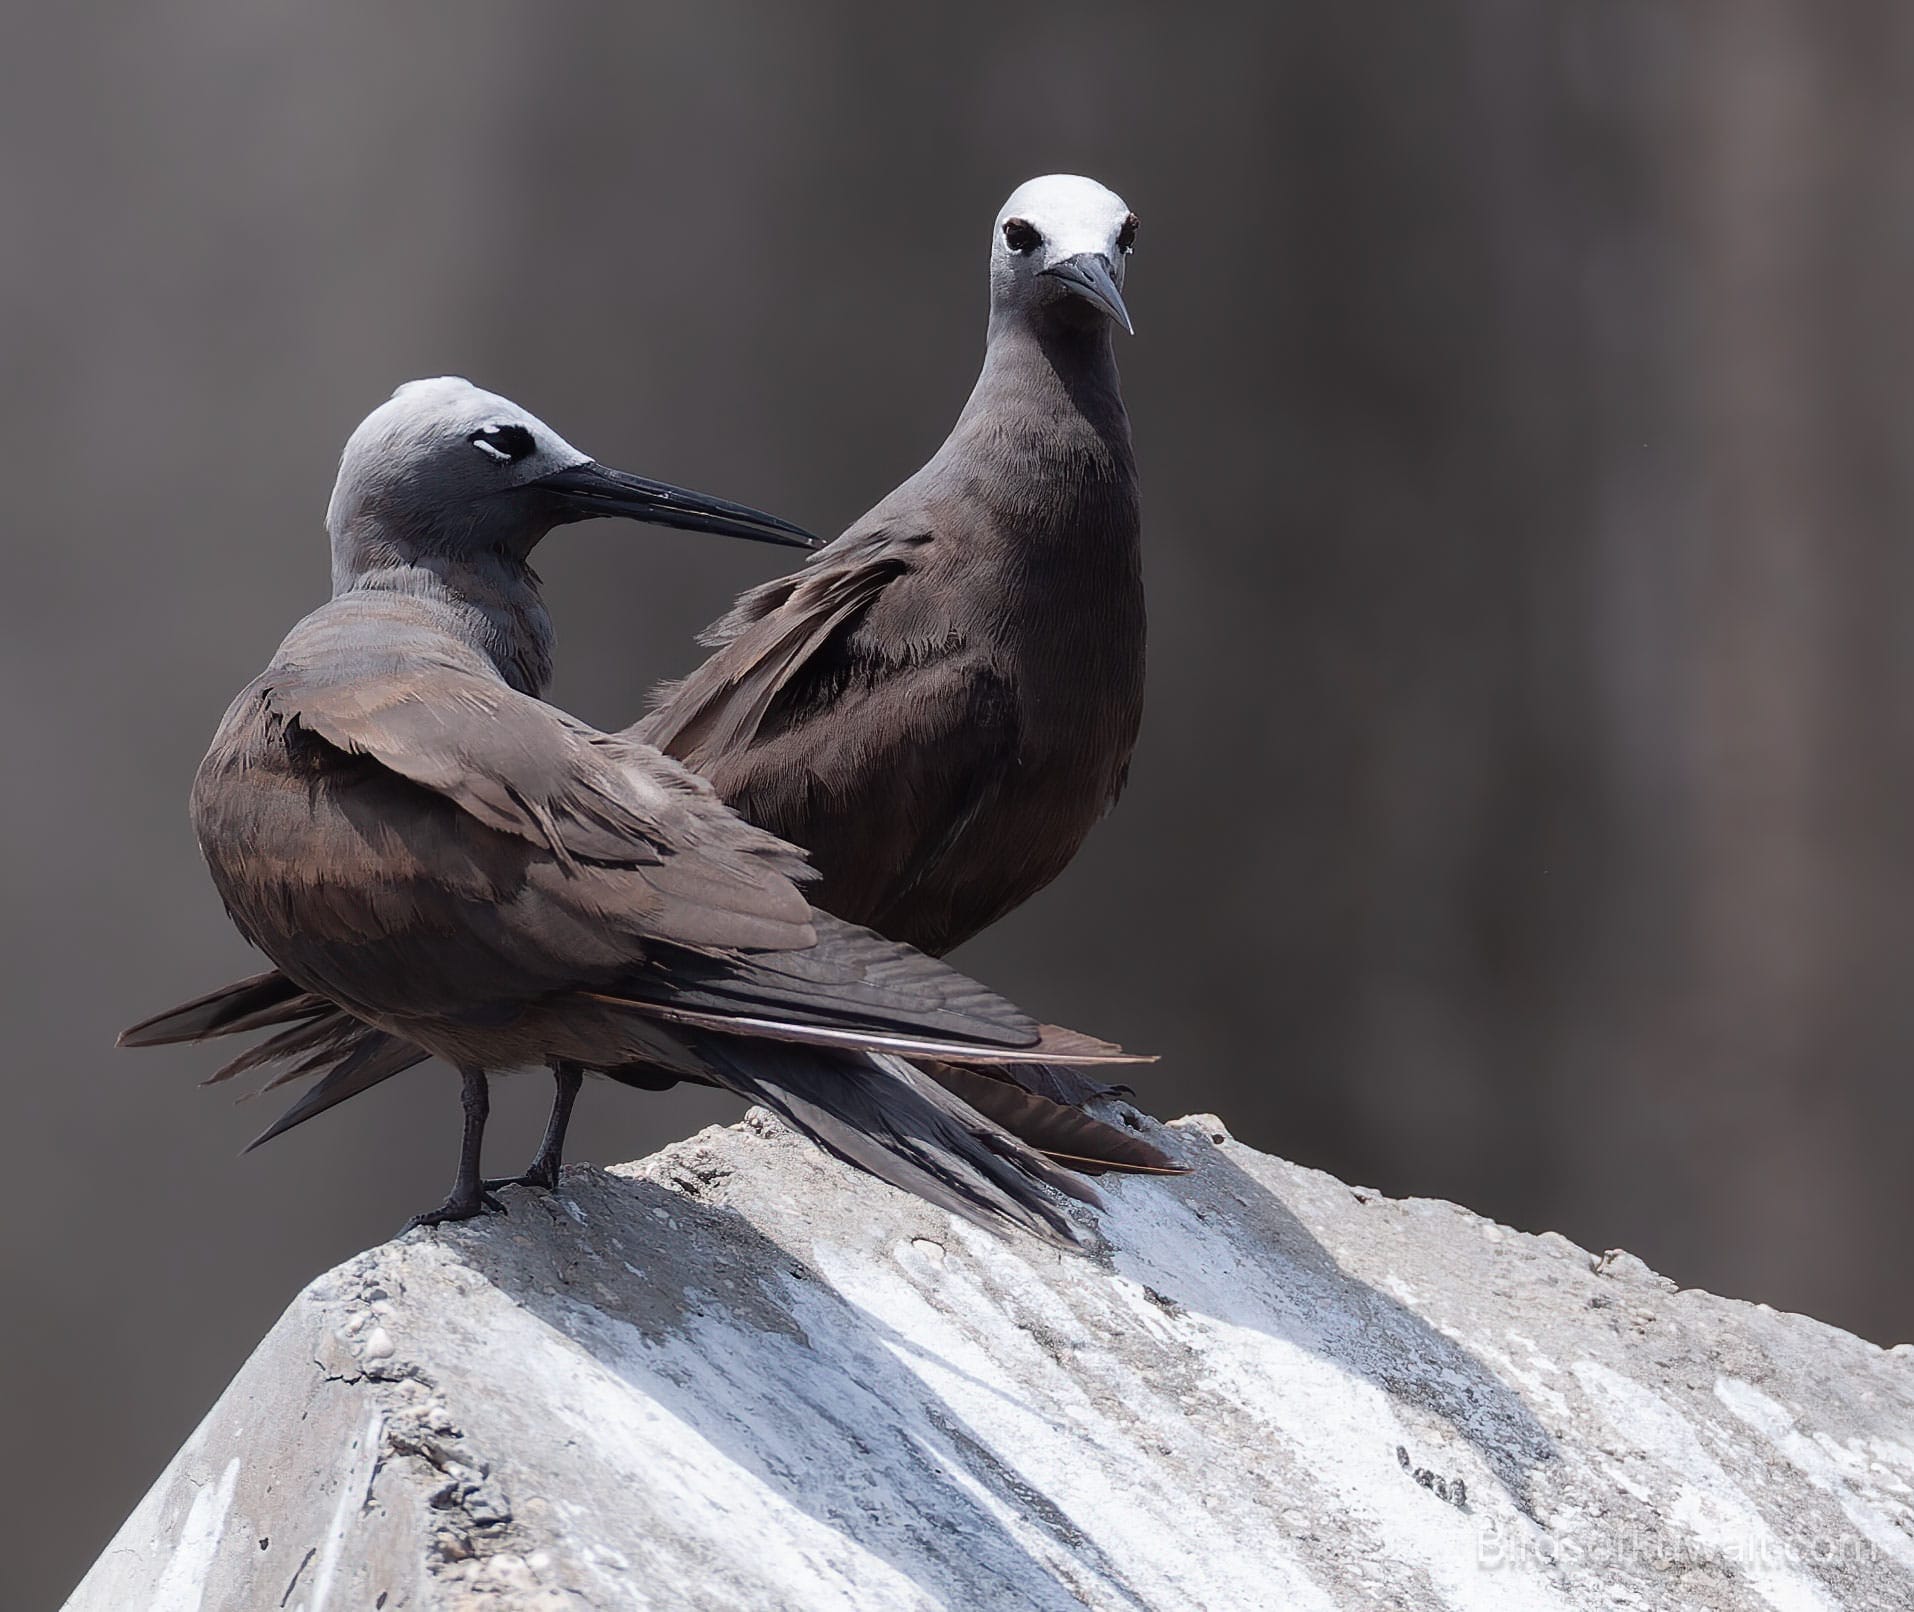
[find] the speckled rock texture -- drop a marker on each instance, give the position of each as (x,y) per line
(737,1375)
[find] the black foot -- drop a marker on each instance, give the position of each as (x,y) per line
(537,1179)
(456,1207)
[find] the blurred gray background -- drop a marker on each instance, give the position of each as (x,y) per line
(1522,391)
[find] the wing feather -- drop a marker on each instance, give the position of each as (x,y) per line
(768,647)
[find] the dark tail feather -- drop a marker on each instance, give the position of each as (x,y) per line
(304,1049)
(1068,1135)
(1058,1082)
(886,1117)
(1053,1042)
(251,1004)
(367,1059)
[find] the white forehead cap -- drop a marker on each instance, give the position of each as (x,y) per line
(447,393)
(1067,207)
(457,402)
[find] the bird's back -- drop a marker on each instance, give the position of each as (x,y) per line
(328,861)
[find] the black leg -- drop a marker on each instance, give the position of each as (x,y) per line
(469,1196)
(543,1173)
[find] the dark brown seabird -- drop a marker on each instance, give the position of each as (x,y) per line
(942,703)
(392,815)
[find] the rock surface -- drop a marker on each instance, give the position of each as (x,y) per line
(737,1375)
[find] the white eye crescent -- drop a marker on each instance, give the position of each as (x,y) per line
(505,444)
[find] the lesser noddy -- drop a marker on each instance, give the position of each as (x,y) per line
(396,819)
(942,703)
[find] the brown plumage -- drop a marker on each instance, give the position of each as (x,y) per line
(943,703)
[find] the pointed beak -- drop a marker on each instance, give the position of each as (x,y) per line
(590,489)
(1087,275)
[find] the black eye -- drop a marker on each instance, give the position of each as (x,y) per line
(505,443)
(1021,237)
(1126,237)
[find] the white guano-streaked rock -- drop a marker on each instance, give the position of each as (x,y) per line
(738,1375)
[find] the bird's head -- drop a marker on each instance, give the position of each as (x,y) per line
(1060,243)
(445,467)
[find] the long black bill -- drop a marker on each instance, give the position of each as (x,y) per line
(1088,275)
(591,489)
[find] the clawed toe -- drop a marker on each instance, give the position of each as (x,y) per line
(457,1208)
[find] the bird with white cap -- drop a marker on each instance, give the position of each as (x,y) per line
(428,850)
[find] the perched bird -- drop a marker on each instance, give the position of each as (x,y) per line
(396,819)
(942,703)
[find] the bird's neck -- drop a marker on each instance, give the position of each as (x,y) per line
(1043,447)
(1054,366)
(491,602)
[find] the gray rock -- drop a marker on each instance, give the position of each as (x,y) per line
(737,1375)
